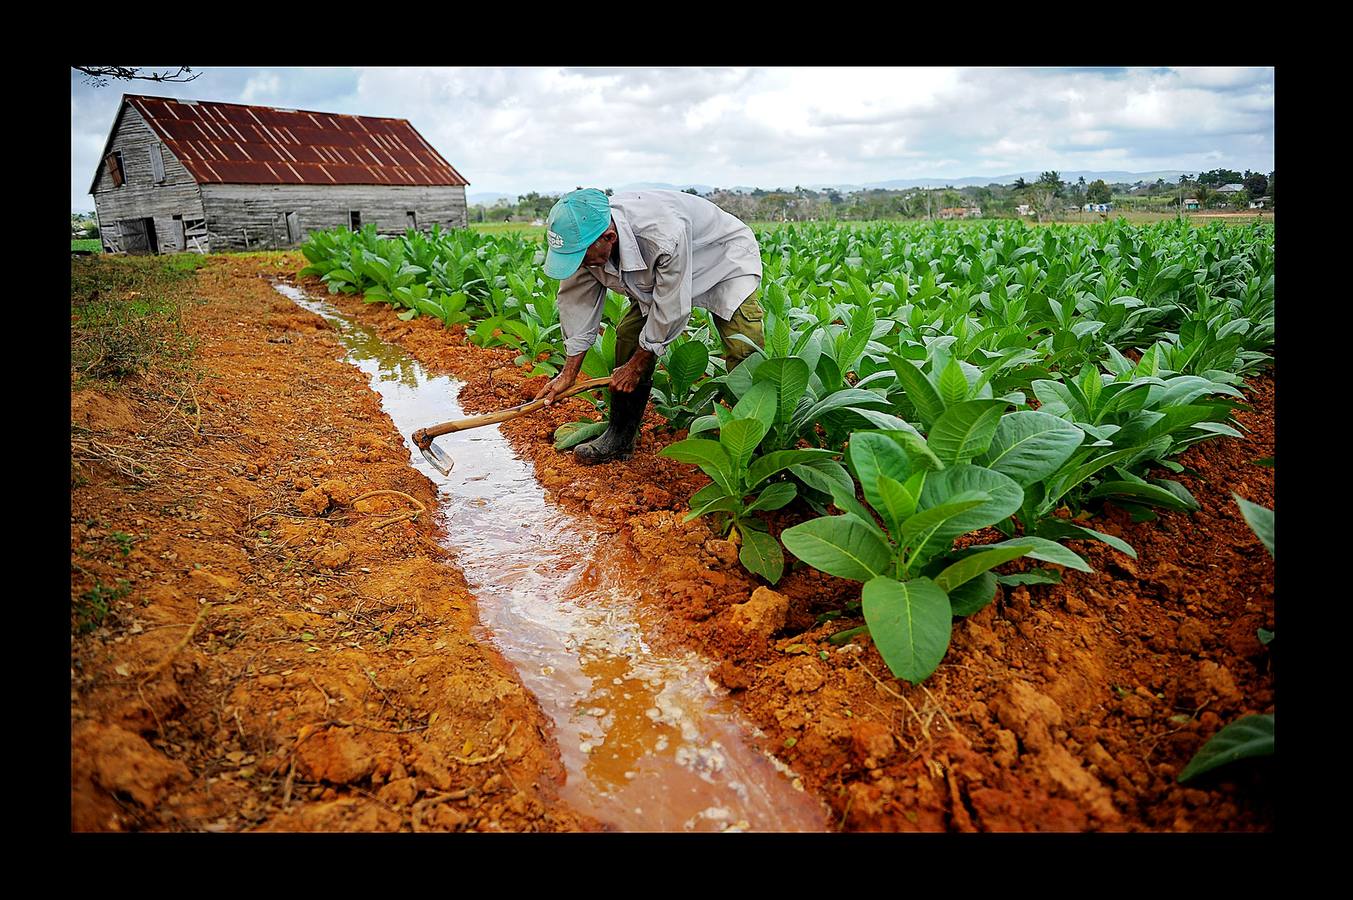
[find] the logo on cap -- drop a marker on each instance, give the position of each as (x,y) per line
(555,241)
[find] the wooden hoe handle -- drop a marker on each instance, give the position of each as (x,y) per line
(423,436)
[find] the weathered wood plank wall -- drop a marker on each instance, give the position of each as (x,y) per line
(253,216)
(140,196)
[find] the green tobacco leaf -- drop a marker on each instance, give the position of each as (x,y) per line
(1044,550)
(767,465)
(1005,496)
(898,503)
(790,377)
(919,390)
(907,437)
(821,474)
(761,555)
(686,364)
(1033,576)
(969,567)
(973,596)
(844,498)
(722,503)
(910,623)
(1055,529)
(928,527)
(758,403)
(571,434)
(1030,445)
(1265,461)
(775,496)
(703,424)
(1152,494)
(739,439)
(1245,738)
(1259,519)
(1265,636)
(838,546)
(965,430)
(953,384)
(709,456)
(873,455)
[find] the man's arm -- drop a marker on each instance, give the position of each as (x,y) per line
(581,300)
(667,317)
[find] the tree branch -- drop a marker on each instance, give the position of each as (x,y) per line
(99,76)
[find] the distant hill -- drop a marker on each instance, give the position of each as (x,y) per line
(489,199)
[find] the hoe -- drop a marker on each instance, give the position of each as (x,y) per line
(442,461)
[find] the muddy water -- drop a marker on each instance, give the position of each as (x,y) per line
(649,741)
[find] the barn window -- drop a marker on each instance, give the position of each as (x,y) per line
(113,162)
(156,163)
(354,220)
(413,219)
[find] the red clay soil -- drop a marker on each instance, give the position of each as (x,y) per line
(1059,707)
(282,654)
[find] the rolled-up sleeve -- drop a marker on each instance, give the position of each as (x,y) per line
(671,308)
(581,300)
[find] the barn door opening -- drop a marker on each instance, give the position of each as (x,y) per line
(180,236)
(138,235)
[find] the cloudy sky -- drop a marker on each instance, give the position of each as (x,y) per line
(514,130)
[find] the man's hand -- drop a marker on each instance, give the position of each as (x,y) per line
(563,381)
(626,378)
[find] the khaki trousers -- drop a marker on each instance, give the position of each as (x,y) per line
(746,320)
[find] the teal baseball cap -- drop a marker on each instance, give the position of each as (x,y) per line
(578,219)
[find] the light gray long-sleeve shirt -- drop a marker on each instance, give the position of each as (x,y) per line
(677,251)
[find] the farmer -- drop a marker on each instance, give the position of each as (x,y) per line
(667,251)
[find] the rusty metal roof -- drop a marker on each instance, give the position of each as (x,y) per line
(230,143)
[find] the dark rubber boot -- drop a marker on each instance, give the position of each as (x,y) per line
(627,411)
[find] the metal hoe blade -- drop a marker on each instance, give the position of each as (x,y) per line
(438,458)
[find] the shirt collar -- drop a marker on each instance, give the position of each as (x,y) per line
(631,260)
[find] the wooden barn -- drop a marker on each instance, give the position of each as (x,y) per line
(209,177)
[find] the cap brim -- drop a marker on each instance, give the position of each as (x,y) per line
(561,265)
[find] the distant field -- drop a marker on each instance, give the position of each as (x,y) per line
(1136,217)
(93,245)
(508,227)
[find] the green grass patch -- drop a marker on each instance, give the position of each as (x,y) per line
(90,245)
(126,314)
(524,228)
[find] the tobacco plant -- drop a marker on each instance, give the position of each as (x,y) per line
(914,580)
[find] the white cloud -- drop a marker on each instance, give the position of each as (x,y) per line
(519,129)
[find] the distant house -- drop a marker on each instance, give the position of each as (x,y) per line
(1097,207)
(960,212)
(1230,189)
(1191,203)
(202,176)
(1024,210)
(1261,203)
